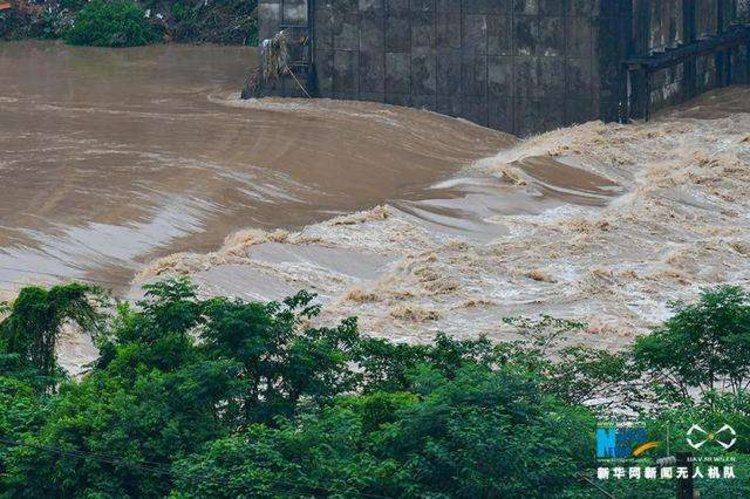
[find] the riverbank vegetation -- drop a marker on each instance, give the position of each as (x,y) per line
(218,397)
(124,23)
(118,23)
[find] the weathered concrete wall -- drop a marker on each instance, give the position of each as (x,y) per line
(522,66)
(273,14)
(516,65)
(292,16)
(662,25)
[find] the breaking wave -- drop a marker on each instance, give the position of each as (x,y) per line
(600,222)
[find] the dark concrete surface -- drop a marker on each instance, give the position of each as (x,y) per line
(522,66)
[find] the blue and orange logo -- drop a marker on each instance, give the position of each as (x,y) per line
(621,442)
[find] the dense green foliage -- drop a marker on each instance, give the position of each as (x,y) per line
(20,23)
(29,335)
(116,23)
(220,21)
(704,344)
(219,397)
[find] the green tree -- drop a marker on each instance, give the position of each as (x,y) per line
(219,397)
(387,365)
(177,372)
(576,374)
(281,359)
(29,333)
(104,437)
(489,433)
(479,433)
(116,23)
(705,345)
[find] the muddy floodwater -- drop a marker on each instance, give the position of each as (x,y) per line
(602,223)
(128,166)
(111,158)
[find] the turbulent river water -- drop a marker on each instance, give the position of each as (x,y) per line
(127,166)
(111,158)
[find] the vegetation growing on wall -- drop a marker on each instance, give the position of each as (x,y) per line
(224,398)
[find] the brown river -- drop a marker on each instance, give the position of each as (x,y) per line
(125,166)
(111,158)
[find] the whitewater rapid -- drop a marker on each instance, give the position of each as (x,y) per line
(124,167)
(603,223)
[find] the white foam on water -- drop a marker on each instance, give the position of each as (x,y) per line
(674,221)
(640,215)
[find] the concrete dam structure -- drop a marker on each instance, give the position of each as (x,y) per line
(521,66)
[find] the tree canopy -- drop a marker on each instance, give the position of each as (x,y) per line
(219,397)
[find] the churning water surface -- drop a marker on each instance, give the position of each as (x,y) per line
(144,162)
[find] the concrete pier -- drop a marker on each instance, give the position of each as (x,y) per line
(521,66)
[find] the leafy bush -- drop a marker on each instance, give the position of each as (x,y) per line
(74,5)
(119,23)
(704,346)
(465,437)
(29,334)
(222,21)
